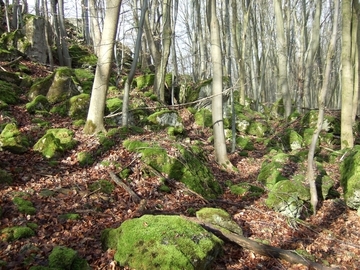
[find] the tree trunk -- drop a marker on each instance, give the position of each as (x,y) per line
(95,118)
(125,108)
(311,177)
(64,47)
(282,58)
(95,28)
(347,80)
(217,86)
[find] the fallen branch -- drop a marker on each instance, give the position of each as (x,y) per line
(13,62)
(260,248)
(120,183)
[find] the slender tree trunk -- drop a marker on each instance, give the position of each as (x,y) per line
(282,58)
(63,35)
(310,175)
(217,86)
(347,79)
(95,28)
(125,108)
(95,118)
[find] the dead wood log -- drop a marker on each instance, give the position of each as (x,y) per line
(120,183)
(259,248)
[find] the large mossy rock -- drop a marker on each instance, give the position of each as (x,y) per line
(350,174)
(288,197)
(188,166)
(54,142)
(162,242)
(12,140)
(271,170)
(57,87)
(144,81)
(8,92)
(78,106)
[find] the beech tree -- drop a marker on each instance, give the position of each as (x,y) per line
(310,175)
(217,86)
(95,117)
(347,78)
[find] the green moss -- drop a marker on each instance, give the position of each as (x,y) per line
(65,137)
(39,103)
(46,192)
(17,232)
(246,188)
(102,185)
(288,197)
(8,92)
(164,188)
(48,145)
(13,140)
(174,131)
(162,242)
(5,177)
(66,258)
(68,216)
(144,81)
(85,158)
(244,143)
(114,104)
(81,55)
(78,106)
(24,206)
(257,129)
(89,127)
(32,225)
(41,86)
(86,78)
(203,118)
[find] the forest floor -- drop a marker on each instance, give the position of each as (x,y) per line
(332,236)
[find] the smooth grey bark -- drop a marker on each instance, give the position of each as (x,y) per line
(95,27)
(217,86)
(125,108)
(347,79)
(47,30)
(282,55)
(95,117)
(311,54)
(159,46)
(86,21)
(64,47)
(310,174)
(174,73)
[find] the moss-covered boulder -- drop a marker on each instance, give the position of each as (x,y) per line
(54,142)
(57,87)
(188,166)
(257,128)
(288,197)
(8,92)
(78,106)
(271,170)
(350,174)
(39,103)
(294,139)
(143,81)
(10,78)
(162,242)
(12,140)
(220,218)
